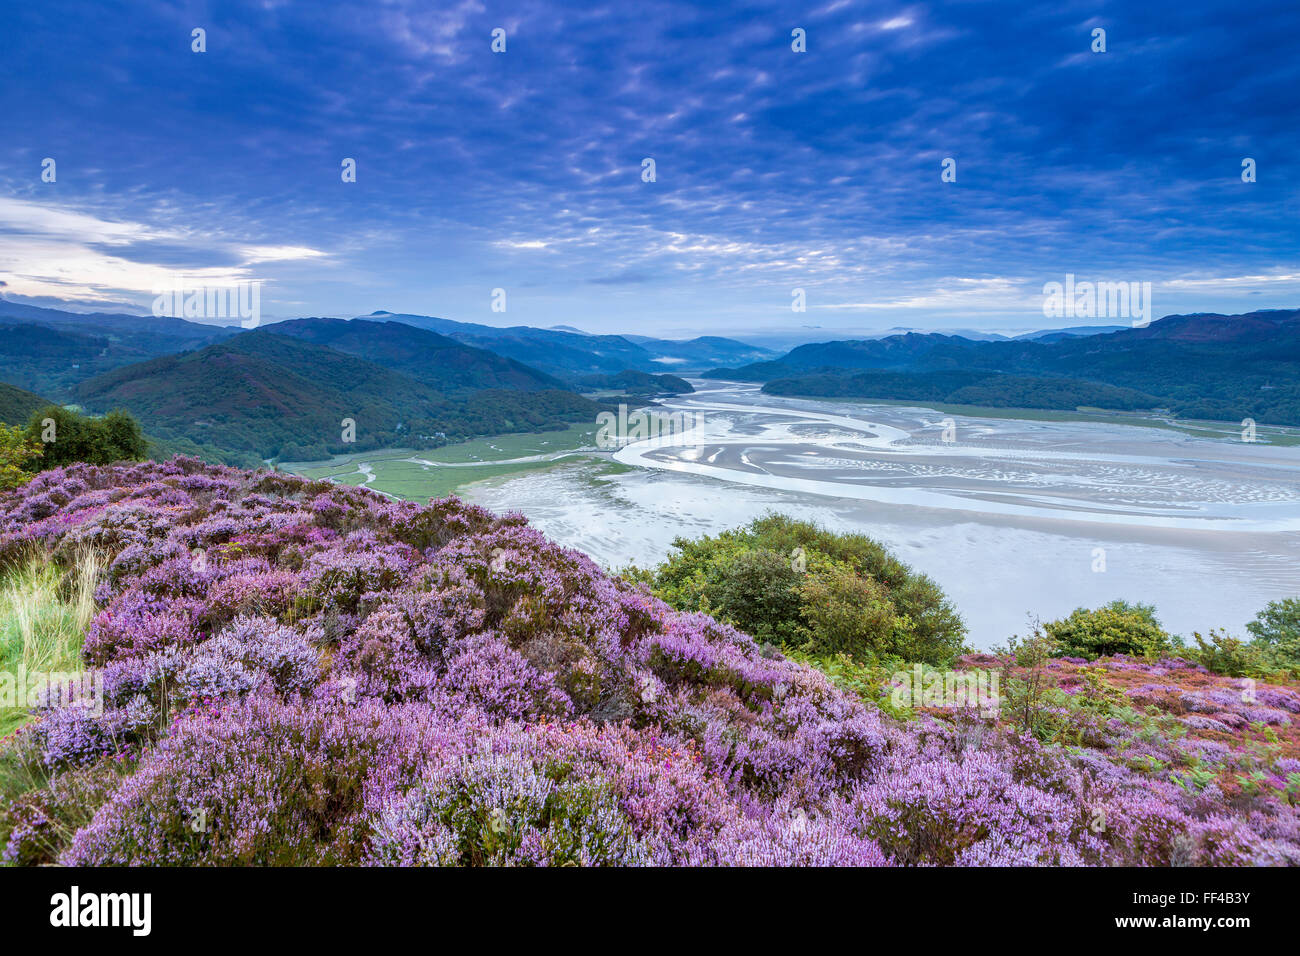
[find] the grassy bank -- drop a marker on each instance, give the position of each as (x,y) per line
(419,475)
(44,613)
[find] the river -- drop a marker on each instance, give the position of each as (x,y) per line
(1013,518)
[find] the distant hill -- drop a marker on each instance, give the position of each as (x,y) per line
(436,360)
(17,405)
(702,352)
(280,396)
(574,353)
(633,382)
(117,323)
(550,350)
(1226,367)
(911,349)
(50,351)
(1051,335)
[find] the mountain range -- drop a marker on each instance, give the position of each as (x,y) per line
(567,353)
(50,352)
(285,390)
(1206,366)
(280,396)
(436,360)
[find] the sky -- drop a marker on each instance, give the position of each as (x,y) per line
(774,170)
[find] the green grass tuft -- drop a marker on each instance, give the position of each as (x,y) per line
(44,613)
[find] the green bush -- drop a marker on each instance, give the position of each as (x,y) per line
(67,437)
(17,453)
(1276,630)
(1221,653)
(1116,628)
(792,583)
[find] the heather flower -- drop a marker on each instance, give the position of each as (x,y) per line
(303,673)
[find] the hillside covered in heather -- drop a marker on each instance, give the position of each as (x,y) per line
(298,672)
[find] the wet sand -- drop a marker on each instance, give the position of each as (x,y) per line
(1008,517)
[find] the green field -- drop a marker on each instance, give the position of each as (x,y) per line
(419,475)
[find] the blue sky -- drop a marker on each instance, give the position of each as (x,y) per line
(775,170)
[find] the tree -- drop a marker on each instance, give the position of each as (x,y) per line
(794,583)
(17,452)
(1276,630)
(846,613)
(1116,628)
(67,437)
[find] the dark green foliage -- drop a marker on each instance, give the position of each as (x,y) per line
(1226,367)
(758,592)
(272,396)
(67,437)
(1115,628)
(17,405)
(1276,630)
(1220,653)
(791,582)
(633,382)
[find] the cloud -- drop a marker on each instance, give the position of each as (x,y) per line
(775,169)
(59,253)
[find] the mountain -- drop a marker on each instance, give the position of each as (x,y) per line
(17,405)
(1050,335)
(50,351)
(632,382)
(894,351)
(436,360)
(553,351)
(1225,367)
(702,352)
(573,353)
(119,324)
(280,396)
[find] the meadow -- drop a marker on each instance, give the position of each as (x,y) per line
(419,475)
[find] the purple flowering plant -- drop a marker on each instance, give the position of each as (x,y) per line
(297,672)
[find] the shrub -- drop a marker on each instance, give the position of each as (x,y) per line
(259,782)
(1277,630)
(346,679)
(17,454)
(1116,628)
(1221,653)
(67,437)
(790,582)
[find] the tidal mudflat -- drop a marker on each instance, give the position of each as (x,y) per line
(1013,517)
